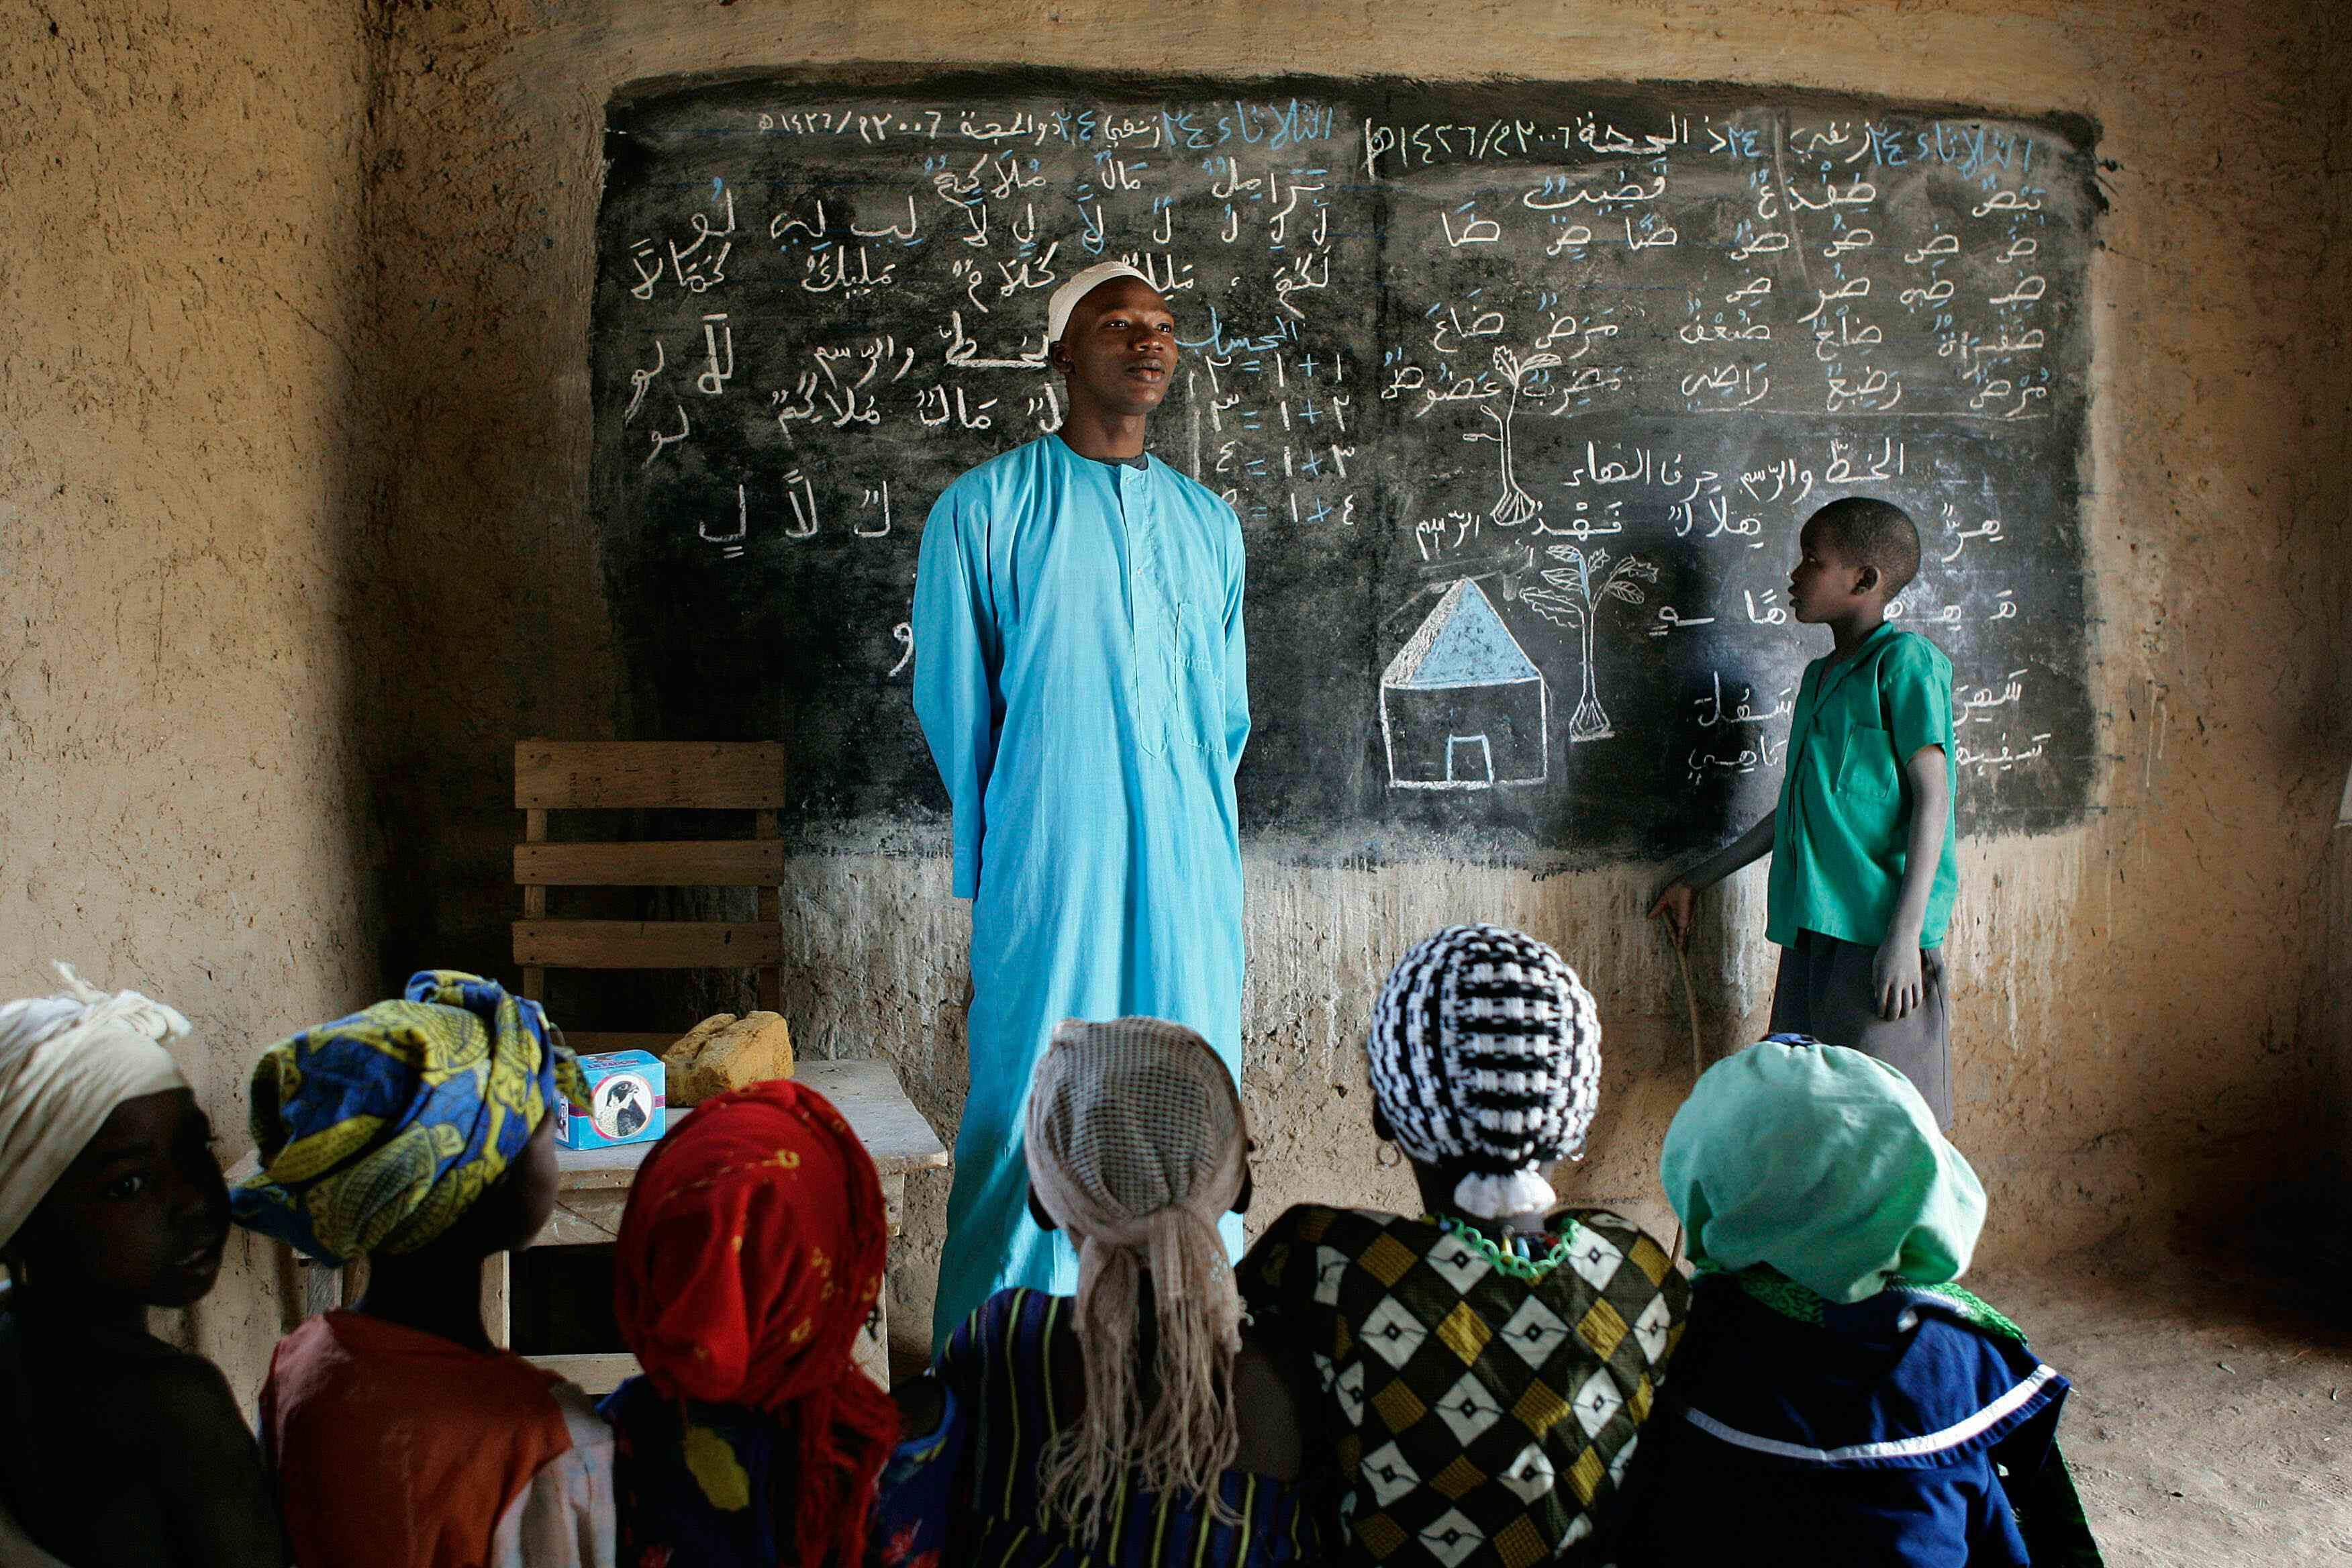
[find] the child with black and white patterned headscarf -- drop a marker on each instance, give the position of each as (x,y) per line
(1486,1066)
(1486,1366)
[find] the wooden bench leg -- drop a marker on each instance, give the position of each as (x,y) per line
(322,1288)
(497,1271)
(874,1339)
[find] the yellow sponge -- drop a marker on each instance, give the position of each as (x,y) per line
(679,1059)
(725,1052)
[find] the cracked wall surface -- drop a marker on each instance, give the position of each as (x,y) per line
(2139,1008)
(184,811)
(2143,1005)
(2330,107)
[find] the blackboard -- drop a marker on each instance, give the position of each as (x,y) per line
(1521,391)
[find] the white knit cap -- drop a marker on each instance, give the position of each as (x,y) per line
(1486,1052)
(1065,299)
(66,1062)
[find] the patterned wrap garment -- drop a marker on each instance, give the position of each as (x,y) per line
(1475,1417)
(378,1131)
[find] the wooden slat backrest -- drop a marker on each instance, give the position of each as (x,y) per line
(648,944)
(664,863)
(679,775)
(593,1042)
(688,775)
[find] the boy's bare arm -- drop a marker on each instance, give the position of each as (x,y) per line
(1679,897)
(1896,981)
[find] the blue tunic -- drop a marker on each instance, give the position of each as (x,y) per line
(1893,1433)
(1080,678)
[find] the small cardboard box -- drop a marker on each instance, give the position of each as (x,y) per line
(627,1103)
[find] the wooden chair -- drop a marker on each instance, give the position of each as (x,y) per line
(657,775)
(592,1184)
(665,775)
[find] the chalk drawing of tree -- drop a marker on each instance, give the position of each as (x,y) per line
(1514,505)
(1574,598)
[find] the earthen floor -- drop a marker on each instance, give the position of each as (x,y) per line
(2211,1418)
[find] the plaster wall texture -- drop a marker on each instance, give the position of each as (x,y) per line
(2143,1027)
(2142,1003)
(2332,104)
(182,798)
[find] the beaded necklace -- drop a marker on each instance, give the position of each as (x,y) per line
(1520,1260)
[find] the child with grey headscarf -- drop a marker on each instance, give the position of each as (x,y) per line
(1486,1364)
(1136,1423)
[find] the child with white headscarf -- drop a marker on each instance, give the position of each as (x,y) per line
(1486,1366)
(1135,1422)
(115,1446)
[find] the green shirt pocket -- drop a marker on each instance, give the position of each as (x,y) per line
(1866,768)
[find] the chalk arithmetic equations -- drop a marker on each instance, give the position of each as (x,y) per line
(1520,390)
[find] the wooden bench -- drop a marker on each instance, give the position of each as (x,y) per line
(672,775)
(593,1188)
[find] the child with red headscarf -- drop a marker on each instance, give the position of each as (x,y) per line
(750,1255)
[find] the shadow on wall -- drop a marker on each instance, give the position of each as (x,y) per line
(2302,1231)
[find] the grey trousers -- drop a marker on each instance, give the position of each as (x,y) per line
(1824,990)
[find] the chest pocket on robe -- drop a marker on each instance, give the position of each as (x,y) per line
(1184,682)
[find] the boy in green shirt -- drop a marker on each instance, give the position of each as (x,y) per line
(1864,866)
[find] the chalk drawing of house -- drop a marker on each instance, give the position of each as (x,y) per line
(1462,705)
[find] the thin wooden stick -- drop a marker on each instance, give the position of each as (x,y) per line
(1690,1004)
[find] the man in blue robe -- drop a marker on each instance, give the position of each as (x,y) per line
(1079,676)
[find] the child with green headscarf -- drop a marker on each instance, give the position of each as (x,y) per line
(1835,1390)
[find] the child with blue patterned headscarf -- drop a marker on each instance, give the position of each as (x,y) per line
(417,1134)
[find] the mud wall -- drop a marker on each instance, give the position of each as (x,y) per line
(2141,1011)
(182,489)
(2332,450)
(296,546)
